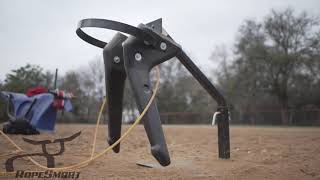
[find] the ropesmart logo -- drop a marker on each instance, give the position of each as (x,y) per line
(47,174)
(49,157)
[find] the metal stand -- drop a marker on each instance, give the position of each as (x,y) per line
(19,125)
(133,57)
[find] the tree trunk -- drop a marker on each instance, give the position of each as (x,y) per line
(284,116)
(284,110)
(254,115)
(88,115)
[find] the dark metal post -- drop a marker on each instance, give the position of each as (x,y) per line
(55,79)
(223,133)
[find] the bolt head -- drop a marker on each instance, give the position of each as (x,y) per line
(163,46)
(116,59)
(138,56)
(146,43)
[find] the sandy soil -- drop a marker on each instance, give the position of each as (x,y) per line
(257,153)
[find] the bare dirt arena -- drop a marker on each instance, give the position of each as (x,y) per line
(256,153)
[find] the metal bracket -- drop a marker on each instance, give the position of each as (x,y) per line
(133,57)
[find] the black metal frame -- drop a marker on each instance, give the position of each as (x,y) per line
(18,125)
(134,57)
(45,153)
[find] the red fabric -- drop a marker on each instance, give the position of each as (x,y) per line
(36,90)
(58,102)
(59,97)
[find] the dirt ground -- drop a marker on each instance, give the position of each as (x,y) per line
(256,153)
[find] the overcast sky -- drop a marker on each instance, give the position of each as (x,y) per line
(43,32)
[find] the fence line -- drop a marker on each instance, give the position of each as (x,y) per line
(252,117)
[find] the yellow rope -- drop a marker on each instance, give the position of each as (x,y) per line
(92,158)
(97,127)
(10,140)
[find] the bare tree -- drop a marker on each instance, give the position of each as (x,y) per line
(49,79)
(91,79)
(273,56)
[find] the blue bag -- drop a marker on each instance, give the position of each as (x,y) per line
(42,116)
